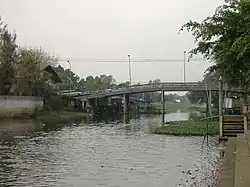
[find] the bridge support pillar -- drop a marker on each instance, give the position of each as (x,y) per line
(125,103)
(96,102)
(84,104)
(109,100)
(163,101)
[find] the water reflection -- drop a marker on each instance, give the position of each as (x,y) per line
(104,153)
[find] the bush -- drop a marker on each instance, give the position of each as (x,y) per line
(37,111)
(54,103)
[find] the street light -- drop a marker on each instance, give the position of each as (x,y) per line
(184,67)
(129,66)
(70,75)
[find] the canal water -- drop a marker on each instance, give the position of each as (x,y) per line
(111,154)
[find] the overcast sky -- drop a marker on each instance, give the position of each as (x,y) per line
(77,30)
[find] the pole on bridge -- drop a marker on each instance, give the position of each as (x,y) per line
(129,66)
(184,68)
(70,75)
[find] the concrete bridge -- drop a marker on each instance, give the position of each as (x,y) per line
(165,86)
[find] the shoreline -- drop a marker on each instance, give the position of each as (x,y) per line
(51,117)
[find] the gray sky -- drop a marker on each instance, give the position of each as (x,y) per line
(112,29)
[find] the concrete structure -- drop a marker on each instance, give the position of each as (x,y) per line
(167,86)
(234,170)
(19,105)
(163,101)
(125,103)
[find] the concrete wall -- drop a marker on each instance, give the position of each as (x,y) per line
(19,105)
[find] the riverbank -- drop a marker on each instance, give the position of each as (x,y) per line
(188,128)
(174,106)
(63,117)
(203,110)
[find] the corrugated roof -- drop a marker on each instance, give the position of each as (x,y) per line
(51,70)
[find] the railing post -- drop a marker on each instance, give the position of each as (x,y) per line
(245,118)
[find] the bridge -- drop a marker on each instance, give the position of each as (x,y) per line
(167,86)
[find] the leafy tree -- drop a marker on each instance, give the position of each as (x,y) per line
(8,57)
(225,39)
(169,97)
(124,84)
(31,79)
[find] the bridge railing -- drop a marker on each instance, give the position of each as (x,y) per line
(142,86)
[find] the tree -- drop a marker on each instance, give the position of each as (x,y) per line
(169,97)
(200,97)
(225,39)
(8,57)
(31,79)
(123,84)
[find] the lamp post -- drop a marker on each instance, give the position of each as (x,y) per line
(70,75)
(184,67)
(129,66)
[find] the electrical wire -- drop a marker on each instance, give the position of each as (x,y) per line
(125,60)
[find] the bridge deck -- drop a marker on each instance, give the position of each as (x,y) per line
(167,86)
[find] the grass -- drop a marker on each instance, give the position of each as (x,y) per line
(203,110)
(63,117)
(173,106)
(189,128)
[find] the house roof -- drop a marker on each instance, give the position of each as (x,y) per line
(52,71)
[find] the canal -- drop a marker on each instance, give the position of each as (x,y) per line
(112,154)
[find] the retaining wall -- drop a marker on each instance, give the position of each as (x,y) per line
(19,105)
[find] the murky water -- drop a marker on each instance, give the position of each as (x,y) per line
(112,155)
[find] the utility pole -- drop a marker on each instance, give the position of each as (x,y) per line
(70,75)
(184,67)
(129,66)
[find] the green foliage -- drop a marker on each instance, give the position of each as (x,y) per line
(189,128)
(31,78)
(90,83)
(200,97)
(225,39)
(8,57)
(55,103)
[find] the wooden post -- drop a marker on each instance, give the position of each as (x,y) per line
(245,119)
(210,101)
(221,125)
(220,107)
(220,96)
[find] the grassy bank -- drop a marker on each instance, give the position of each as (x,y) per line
(173,106)
(63,117)
(189,128)
(203,110)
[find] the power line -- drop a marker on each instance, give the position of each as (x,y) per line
(89,60)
